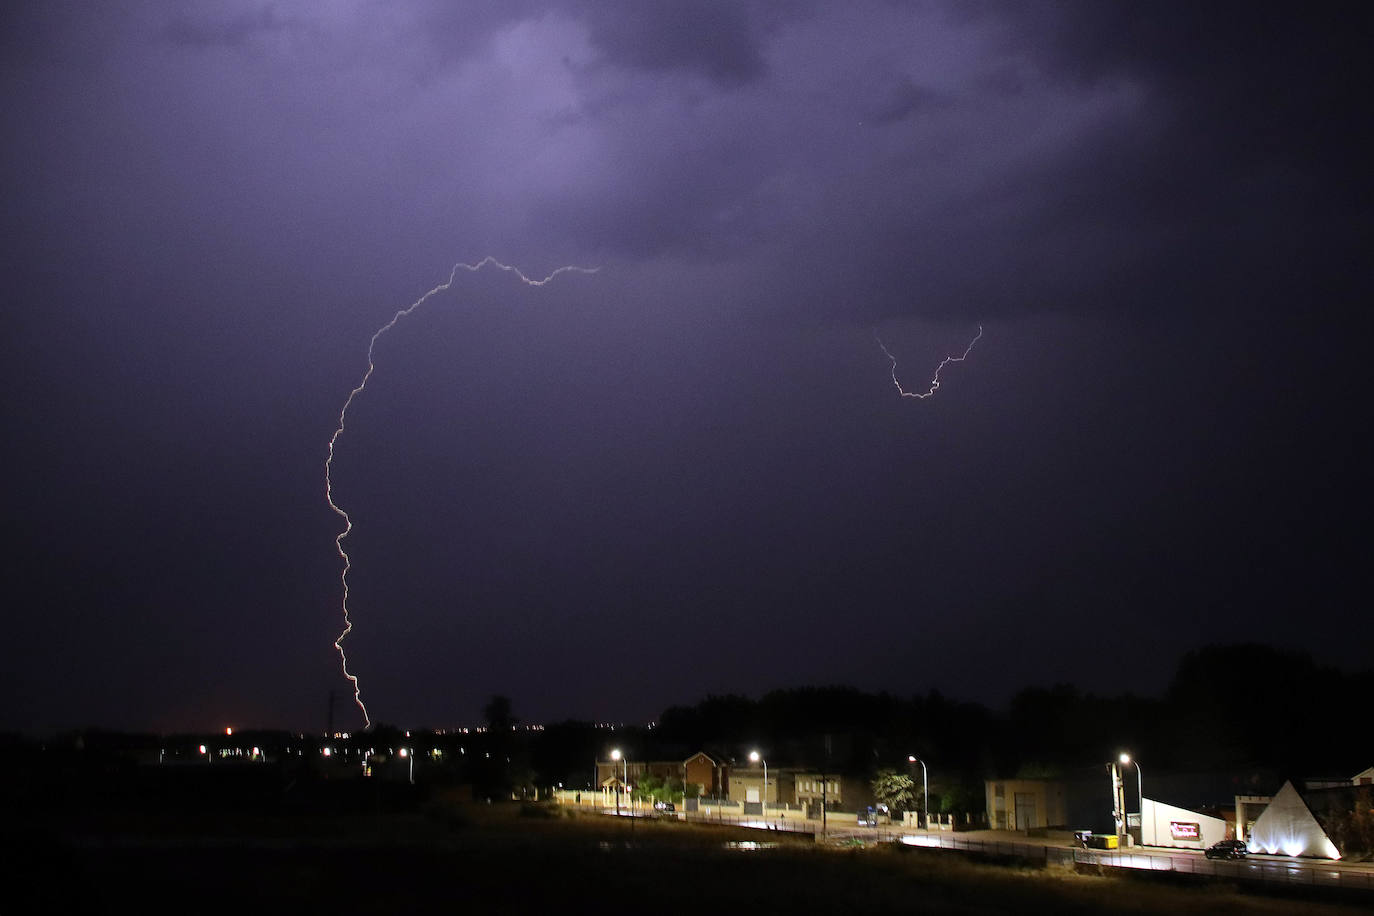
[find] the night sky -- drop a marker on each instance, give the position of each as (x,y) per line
(690,472)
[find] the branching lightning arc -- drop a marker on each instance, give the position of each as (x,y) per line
(934,382)
(343,414)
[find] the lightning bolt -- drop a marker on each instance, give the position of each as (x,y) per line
(343,415)
(934,382)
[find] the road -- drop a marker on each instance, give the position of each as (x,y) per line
(1059,847)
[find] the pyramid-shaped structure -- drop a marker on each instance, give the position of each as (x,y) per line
(1288,828)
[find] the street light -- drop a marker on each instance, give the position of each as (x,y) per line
(763,804)
(925,786)
(616,755)
(406,754)
(1140,794)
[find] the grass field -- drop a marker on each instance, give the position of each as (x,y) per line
(526,859)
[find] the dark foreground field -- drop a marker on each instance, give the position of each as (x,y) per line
(526,859)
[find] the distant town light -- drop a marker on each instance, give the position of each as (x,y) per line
(228,730)
(202,748)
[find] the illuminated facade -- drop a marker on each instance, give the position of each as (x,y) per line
(1289,828)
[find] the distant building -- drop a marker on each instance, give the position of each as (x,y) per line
(712,775)
(747,785)
(839,792)
(1025,804)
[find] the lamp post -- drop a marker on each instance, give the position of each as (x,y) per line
(763,803)
(1140,794)
(409,756)
(616,755)
(925,786)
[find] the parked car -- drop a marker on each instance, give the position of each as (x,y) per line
(666,807)
(1227,849)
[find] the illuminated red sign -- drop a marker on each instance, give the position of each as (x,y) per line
(1183,831)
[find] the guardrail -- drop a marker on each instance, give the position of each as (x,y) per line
(773,821)
(1295,872)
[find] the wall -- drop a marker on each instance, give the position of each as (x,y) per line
(743,781)
(712,777)
(1042,803)
(1167,825)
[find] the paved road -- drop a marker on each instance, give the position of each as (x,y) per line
(1060,847)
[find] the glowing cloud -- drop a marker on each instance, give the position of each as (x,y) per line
(343,413)
(935,381)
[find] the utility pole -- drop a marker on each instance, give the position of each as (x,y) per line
(825,782)
(824,805)
(1118,802)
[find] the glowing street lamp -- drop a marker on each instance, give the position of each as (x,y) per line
(616,755)
(763,803)
(925,784)
(407,755)
(1140,793)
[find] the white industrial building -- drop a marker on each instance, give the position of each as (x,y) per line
(1166,825)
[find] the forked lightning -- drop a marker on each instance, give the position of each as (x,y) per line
(934,382)
(343,413)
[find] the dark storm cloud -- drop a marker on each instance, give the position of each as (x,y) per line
(1153,210)
(1231,157)
(230,30)
(1246,168)
(718,39)
(902,100)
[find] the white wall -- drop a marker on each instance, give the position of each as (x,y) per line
(1158,827)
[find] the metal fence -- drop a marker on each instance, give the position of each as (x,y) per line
(1295,872)
(790,822)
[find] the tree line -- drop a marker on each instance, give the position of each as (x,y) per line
(1227,708)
